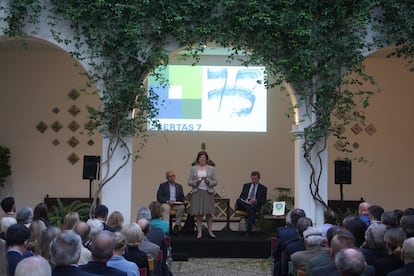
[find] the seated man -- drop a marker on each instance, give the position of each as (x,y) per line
(252,198)
(168,194)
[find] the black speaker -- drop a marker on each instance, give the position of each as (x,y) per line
(91,166)
(343,171)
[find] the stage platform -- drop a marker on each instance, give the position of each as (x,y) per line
(227,244)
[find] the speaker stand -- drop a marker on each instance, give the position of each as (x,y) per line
(341,190)
(90,188)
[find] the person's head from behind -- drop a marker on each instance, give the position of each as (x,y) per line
(70,220)
(155,209)
(83,230)
(389,219)
(116,220)
(374,236)
(296,214)
(343,239)
(24,216)
(408,211)
(18,235)
(329,216)
(358,228)
(313,237)
(101,212)
(48,236)
(408,251)
(65,249)
(120,243)
(102,246)
(303,224)
(8,205)
(143,213)
(407,224)
(375,212)
(350,262)
(40,212)
(332,232)
(96,226)
(33,266)
(394,238)
(133,234)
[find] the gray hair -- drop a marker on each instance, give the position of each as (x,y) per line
(66,248)
(350,262)
(374,235)
(96,227)
(408,250)
(24,215)
(33,266)
(313,236)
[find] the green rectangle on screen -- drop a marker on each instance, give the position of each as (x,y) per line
(190,79)
(191,109)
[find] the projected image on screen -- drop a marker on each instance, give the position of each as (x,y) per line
(212,98)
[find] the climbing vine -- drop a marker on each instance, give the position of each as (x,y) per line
(316,46)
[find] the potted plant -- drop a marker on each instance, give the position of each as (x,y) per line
(5,169)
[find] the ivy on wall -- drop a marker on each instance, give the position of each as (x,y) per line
(316,46)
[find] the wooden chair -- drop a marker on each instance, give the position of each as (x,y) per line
(173,214)
(151,265)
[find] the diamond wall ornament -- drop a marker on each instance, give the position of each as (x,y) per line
(56,126)
(73,158)
(41,127)
(339,145)
(73,142)
(355,145)
(73,126)
(74,94)
(370,129)
(74,110)
(56,110)
(55,142)
(91,142)
(356,128)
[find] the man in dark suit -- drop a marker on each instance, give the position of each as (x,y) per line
(408,258)
(17,240)
(251,199)
(171,196)
(65,250)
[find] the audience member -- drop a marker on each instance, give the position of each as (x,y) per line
(408,211)
(70,220)
(389,219)
(374,245)
(17,238)
(408,258)
(134,236)
(83,230)
(156,221)
(118,261)
(102,248)
(398,214)
(394,238)
(202,179)
(375,213)
(9,207)
(325,257)
(357,227)
(36,228)
(3,259)
(33,266)
(407,224)
(284,235)
(298,244)
(116,220)
(65,252)
(101,214)
(363,212)
(252,198)
(40,212)
(170,195)
(24,216)
(350,262)
(95,226)
(48,236)
(145,245)
(314,247)
(329,220)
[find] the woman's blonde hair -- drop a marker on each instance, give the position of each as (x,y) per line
(133,234)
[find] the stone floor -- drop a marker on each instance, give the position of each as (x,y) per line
(222,267)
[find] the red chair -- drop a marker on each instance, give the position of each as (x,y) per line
(143,271)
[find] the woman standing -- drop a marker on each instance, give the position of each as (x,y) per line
(202,179)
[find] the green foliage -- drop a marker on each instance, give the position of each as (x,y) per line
(316,46)
(59,211)
(5,168)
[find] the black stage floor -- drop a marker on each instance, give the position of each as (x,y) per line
(227,244)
